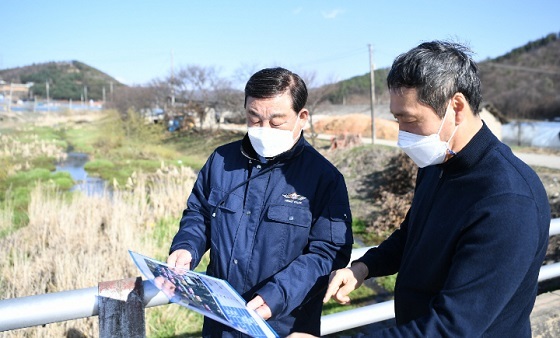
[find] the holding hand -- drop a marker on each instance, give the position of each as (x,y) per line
(344,281)
(259,305)
(180,259)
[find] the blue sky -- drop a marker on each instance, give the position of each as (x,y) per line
(137,41)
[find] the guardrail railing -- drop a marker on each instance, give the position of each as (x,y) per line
(17,313)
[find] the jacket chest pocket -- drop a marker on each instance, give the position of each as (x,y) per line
(289,215)
(225,212)
(285,233)
(230,203)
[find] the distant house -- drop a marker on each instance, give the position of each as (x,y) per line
(17,91)
(188,113)
(493,118)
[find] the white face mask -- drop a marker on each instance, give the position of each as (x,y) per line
(270,142)
(425,150)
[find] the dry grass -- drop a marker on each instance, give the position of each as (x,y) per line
(7,214)
(54,118)
(19,153)
(73,243)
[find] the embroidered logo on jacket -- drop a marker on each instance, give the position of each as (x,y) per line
(293,198)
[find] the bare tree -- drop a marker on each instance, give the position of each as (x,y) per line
(194,86)
(137,99)
(202,90)
(229,100)
(243,73)
(318,94)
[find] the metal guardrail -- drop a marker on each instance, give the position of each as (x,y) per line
(17,313)
(374,313)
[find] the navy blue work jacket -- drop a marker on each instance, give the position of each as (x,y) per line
(274,227)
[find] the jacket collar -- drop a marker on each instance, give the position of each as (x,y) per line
(481,143)
(248,151)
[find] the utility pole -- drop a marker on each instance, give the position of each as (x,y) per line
(172,85)
(10,100)
(372,85)
(48,103)
(111,91)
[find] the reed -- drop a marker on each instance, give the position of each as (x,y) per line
(18,152)
(76,242)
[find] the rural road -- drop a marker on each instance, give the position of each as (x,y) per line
(540,160)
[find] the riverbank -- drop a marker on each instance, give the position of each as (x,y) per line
(59,233)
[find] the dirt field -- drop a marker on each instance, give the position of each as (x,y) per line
(358,124)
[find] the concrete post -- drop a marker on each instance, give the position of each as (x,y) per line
(121,309)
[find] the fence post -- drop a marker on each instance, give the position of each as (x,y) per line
(121,309)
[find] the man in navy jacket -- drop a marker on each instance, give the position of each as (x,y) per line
(469,251)
(273,212)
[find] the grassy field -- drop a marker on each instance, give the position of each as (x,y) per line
(53,240)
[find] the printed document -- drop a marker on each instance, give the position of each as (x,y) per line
(209,296)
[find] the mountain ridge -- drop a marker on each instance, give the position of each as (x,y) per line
(522,83)
(67,80)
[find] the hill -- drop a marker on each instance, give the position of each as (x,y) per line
(524,83)
(521,84)
(67,80)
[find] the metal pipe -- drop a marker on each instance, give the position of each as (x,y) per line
(554,227)
(17,313)
(549,271)
(365,315)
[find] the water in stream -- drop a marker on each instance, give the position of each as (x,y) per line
(74,165)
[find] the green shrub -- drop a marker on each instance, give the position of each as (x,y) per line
(99,165)
(62,180)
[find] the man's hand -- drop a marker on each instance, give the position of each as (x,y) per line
(259,305)
(180,259)
(344,281)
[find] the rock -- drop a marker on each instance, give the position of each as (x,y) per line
(545,318)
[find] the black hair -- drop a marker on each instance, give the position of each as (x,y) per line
(438,70)
(270,82)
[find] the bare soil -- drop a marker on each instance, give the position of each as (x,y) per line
(358,124)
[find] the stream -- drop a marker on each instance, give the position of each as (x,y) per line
(74,165)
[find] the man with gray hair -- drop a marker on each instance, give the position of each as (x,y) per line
(469,251)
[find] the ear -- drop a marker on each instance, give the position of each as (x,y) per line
(461,107)
(303,117)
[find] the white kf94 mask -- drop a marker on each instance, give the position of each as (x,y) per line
(426,150)
(271,142)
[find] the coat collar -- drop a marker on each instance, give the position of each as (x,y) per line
(481,143)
